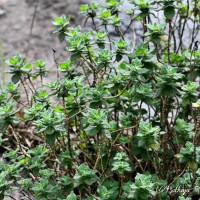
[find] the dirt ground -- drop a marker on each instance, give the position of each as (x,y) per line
(15,24)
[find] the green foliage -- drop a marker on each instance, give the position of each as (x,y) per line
(189,93)
(184,130)
(16,64)
(169,80)
(61,23)
(169,9)
(97,122)
(144,6)
(121,119)
(148,136)
(120,163)
(142,188)
(7,116)
(187,154)
(84,176)
(155,31)
(71,196)
(51,124)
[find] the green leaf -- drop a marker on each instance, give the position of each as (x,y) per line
(154,146)
(93,131)
(65,66)
(4,127)
(75,56)
(16,77)
(71,196)
(118,57)
(169,12)
(84,7)
(51,138)
(61,36)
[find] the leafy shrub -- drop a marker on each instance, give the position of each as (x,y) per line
(119,122)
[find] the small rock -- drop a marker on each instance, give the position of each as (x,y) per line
(2,11)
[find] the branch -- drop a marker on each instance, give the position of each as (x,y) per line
(116,96)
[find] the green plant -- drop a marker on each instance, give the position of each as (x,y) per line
(187,154)
(120,121)
(84,176)
(143,188)
(120,163)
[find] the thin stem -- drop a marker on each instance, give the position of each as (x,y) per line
(91,66)
(31,29)
(108,37)
(119,32)
(120,187)
(120,132)
(183,29)
(98,155)
(85,73)
(7,195)
(67,129)
(57,66)
(93,22)
(118,95)
(169,39)
(132,20)
(31,83)
(26,92)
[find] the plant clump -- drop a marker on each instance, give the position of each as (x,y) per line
(121,121)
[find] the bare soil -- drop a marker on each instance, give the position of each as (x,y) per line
(16,17)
